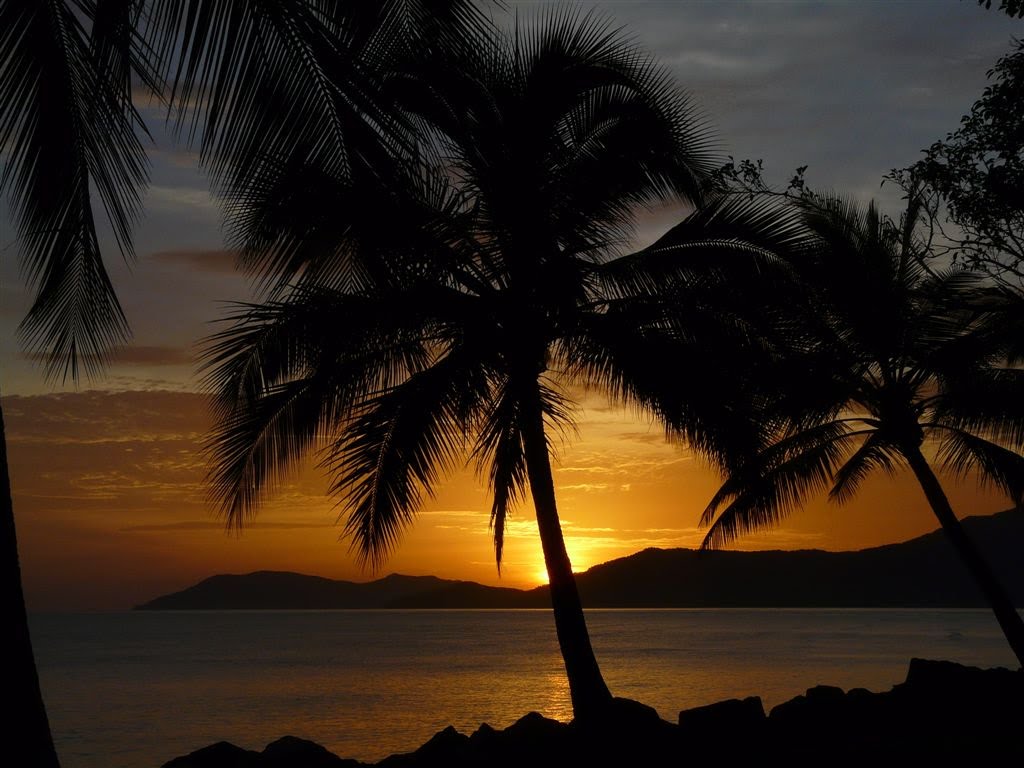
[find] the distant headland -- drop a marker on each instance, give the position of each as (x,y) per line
(921,572)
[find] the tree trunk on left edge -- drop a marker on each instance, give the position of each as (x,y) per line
(589,693)
(1006,614)
(24,713)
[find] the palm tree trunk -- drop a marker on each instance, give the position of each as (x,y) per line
(1006,614)
(587,688)
(22,701)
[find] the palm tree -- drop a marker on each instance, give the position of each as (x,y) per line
(409,327)
(890,365)
(69,129)
(65,126)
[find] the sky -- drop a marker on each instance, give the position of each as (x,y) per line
(108,476)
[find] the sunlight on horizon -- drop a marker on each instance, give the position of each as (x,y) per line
(542,574)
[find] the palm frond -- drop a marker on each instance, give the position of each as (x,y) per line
(251,449)
(629,130)
(998,325)
(499,455)
(395,448)
(271,343)
(120,50)
(561,128)
(285,372)
(322,67)
(294,222)
(874,453)
(622,351)
(66,128)
(856,255)
(985,401)
(253,79)
(730,240)
(760,494)
(964,454)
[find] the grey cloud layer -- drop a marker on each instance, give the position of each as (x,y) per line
(850,88)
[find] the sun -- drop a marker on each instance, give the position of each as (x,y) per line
(541,576)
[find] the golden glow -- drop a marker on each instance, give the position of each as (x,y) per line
(112,510)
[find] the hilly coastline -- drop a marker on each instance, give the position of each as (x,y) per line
(921,572)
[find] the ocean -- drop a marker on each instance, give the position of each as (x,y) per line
(133,690)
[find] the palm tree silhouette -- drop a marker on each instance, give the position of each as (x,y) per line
(410,326)
(66,123)
(69,129)
(887,355)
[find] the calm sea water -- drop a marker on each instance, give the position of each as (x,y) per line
(134,690)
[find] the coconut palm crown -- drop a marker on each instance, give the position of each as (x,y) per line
(891,366)
(410,328)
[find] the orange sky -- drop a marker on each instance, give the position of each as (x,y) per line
(108,485)
(111,511)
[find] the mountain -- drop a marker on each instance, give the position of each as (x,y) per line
(922,572)
(267,590)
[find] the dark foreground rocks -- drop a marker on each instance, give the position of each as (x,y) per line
(944,713)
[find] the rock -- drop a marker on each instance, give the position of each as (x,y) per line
(485,734)
(929,675)
(962,710)
(223,754)
(788,711)
(447,747)
(723,718)
(727,729)
(825,695)
(823,719)
(534,728)
(624,733)
(621,715)
(444,747)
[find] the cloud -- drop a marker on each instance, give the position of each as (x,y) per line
(463,513)
(221,261)
(133,354)
(151,355)
(713,63)
(124,383)
(207,525)
(181,200)
(91,417)
(181,158)
(616,464)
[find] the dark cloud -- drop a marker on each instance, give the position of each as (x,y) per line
(852,89)
(206,525)
(151,355)
(98,416)
(132,354)
(205,259)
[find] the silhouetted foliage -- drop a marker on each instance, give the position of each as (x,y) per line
(67,128)
(1012,8)
(884,355)
(66,125)
(746,177)
(451,309)
(242,72)
(975,177)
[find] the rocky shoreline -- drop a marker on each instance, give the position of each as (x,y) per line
(942,712)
